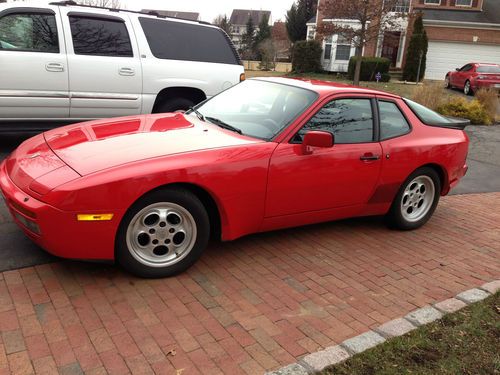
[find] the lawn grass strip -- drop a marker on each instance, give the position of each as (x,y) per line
(318,361)
(473,295)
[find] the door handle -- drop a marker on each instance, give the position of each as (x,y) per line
(369,157)
(126,72)
(54,67)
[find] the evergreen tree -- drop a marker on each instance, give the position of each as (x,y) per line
(297,17)
(263,34)
(417,47)
(223,22)
(248,40)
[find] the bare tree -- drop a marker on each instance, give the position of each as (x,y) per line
(115,4)
(223,22)
(371,18)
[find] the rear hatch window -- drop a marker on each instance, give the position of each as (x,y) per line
(429,117)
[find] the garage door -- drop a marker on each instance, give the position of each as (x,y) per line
(443,57)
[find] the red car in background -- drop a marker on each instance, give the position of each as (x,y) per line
(148,191)
(473,76)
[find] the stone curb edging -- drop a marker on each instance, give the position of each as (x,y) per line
(333,355)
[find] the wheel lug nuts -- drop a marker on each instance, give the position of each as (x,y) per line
(152,231)
(171,230)
(155,242)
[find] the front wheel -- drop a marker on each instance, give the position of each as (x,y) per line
(416,200)
(467,88)
(447,84)
(175,104)
(163,233)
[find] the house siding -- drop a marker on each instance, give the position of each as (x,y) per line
(455,34)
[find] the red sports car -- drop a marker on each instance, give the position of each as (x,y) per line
(473,76)
(150,190)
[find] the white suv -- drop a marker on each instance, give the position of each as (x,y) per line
(66,63)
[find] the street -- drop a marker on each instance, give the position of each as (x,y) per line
(483,176)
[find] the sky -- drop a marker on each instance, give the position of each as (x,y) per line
(208,9)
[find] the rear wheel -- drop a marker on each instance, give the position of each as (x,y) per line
(163,233)
(416,200)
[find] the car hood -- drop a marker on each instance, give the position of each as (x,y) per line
(97,145)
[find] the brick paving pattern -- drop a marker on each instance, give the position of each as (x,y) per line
(252,305)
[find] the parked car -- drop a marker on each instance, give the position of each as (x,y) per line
(473,76)
(149,191)
(67,63)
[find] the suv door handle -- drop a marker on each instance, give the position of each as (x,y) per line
(54,67)
(126,72)
(369,157)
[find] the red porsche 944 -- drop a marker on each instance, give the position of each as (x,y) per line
(149,191)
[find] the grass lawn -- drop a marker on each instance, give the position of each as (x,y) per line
(401,89)
(466,342)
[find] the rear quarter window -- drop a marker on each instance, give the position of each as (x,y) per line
(173,40)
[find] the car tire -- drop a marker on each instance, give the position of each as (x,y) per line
(163,233)
(468,88)
(416,200)
(447,84)
(175,104)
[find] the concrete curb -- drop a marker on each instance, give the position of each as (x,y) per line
(318,361)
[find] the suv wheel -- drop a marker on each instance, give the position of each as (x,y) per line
(175,104)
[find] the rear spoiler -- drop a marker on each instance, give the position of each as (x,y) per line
(454,123)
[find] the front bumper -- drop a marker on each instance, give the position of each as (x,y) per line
(58,232)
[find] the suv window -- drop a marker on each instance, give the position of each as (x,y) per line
(349,120)
(392,121)
(100,37)
(30,32)
(173,40)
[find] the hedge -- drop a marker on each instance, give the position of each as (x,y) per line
(306,57)
(370,66)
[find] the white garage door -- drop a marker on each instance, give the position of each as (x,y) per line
(443,57)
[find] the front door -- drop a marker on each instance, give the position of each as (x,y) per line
(341,176)
(390,46)
(105,75)
(33,66)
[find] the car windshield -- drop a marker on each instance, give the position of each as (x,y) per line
(258,109)
(488,69)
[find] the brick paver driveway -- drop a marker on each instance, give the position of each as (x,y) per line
(248,306)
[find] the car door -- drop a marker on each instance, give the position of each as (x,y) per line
(33,66)
(461,76)
(341,176)
(105,75)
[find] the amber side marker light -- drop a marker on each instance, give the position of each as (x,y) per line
(242,77)
(87,217)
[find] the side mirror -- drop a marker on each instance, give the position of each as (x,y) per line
(457,69)
(316,139)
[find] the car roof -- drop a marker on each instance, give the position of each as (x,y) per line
(323,87)
(96,10)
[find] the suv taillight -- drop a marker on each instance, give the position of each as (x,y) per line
(242,77)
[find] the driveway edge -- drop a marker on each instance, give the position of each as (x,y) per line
(318,361)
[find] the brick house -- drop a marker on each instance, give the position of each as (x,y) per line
(459,31)
(239,19)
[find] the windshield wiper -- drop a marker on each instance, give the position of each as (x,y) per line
(198,113)
(223,125)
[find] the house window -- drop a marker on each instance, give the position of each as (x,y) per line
(432,2)
(463,3)
(402,6)
(343,48)
(328,51)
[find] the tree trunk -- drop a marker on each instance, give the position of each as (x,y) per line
(357,70)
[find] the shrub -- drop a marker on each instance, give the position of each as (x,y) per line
(429,95)
(472,110)
(370,66)
(418,46)
(386,77)
(306,57)
(489,99)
